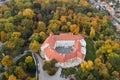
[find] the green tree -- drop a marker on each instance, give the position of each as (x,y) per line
(41,26)
(7,14)
(9,27)
(28,23)
(35,36)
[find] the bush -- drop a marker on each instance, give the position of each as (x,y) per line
(68,71)
(46,65)
(51,71)
(49,66)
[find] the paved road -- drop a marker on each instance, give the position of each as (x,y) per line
(20,56)
(16,58)
(43,75)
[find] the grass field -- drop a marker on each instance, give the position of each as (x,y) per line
(90,53)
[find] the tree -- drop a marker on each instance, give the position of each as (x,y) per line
(19,5)
(16,34)
(3,36)
(84,2)
(63,18)
(7,61)
(30,78)
(92,33)
(19,72)
(10,45)
(9,27)
(28,5)
(54,25)
(115,61)
(6,74)
(41,26)
(28,23)
(28,59)
(86,66)
(34,46)
(12,77)
(28,13)
(42,36)
(7,14)
(35,36)
(65,28)
(74,29)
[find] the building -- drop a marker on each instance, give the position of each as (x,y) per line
(68,49)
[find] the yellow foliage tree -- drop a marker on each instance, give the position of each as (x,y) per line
(7,61)
(85,66)
(15,34)
(12,77)
(28,13)
(6,74)
(3,35)
(34,46)
(42,36)
(28,59)
(92,33)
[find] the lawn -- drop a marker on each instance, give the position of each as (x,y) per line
(90,53)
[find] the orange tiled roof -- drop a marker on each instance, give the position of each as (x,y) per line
(51,53)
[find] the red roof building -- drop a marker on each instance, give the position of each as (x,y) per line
(64,48)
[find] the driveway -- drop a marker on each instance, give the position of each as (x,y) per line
(43,74)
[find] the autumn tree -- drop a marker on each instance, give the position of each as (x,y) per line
(12,77)
(9,27)
(28,13)
(19,72)
(3,36)
(85,66)
(7,61)
(35,36)
(63,18)
(28,5)
(41,26)
(84,2)
(74,29)
(65,28)
(54,25)
(101,68)
(42,36)
(6,74)
(30,78)
(34,46)
(92,33)
(16,34)
(28,59)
